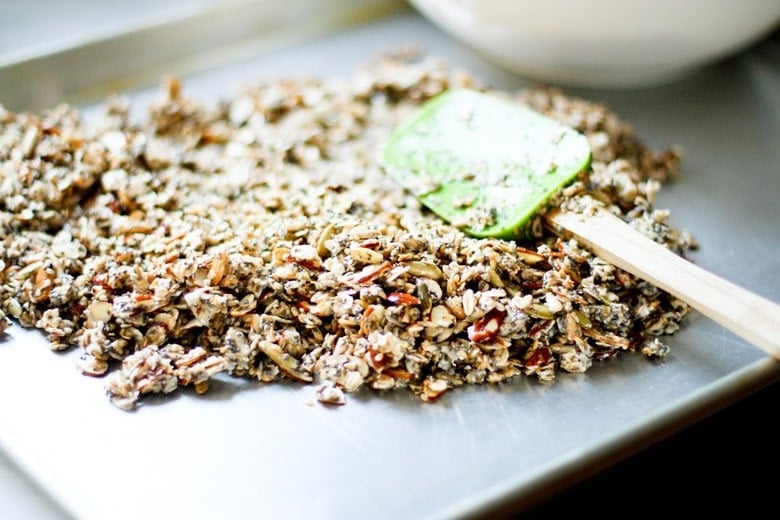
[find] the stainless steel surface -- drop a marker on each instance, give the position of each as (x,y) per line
(246,449)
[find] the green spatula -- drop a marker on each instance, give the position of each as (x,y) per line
(487,166)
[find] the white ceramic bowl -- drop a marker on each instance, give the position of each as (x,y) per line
(604,43)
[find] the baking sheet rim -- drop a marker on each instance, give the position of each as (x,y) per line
(566,470)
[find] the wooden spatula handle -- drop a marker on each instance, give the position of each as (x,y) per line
(748,315)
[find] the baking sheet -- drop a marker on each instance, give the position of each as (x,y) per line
(246,449)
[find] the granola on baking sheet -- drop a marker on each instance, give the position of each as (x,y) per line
(258,237)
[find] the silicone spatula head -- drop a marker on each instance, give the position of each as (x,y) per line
(484,164)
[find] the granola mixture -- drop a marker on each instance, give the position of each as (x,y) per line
(259,238)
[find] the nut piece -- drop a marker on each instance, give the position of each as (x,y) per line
(98,311)
(434,388)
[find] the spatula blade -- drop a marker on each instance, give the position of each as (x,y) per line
(484,164)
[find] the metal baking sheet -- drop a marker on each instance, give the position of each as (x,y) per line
(252,450)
